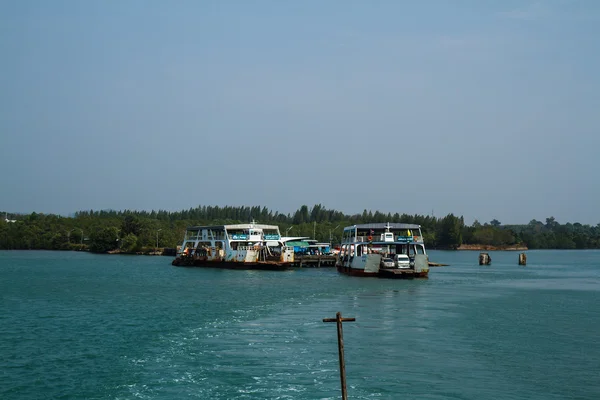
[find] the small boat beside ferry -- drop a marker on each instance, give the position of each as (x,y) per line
(235,246)
(383,250)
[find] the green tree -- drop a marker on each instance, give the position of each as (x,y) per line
(129,243)
(131,224)
(104,239)
(450,232)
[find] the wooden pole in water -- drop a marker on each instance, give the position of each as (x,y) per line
(484,259)
(522,259)
(340,333)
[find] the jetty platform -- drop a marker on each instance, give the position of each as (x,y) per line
(314,261)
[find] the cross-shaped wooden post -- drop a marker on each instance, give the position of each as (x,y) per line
(338,318)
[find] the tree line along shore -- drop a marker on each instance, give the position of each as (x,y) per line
(131,231)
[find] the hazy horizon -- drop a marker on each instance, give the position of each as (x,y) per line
(487,110)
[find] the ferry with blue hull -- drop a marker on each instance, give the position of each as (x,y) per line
(235,246)
(383,250)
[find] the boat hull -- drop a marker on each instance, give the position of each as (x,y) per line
(222,264)
(398,273)
(356,272)
(384,273)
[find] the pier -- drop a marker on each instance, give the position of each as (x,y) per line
(314,261)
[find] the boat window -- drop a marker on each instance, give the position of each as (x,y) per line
(359,250)
(218,235)
(191,235)
(412,250)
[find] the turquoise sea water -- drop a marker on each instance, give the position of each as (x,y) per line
(84,326)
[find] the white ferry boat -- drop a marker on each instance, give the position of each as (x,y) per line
(383,250)
(240,246)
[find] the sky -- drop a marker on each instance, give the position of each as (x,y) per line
(489,109)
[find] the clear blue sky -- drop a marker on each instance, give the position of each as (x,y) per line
(487,109)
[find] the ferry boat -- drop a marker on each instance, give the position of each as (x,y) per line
(383,250)
(239,246)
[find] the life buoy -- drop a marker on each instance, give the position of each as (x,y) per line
(370,238)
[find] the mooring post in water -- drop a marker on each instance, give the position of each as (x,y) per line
(338,318)
(522,259)
(484,259)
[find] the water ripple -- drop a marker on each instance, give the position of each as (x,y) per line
(79,326)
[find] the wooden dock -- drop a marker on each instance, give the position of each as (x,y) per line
(433,264)
(314,261)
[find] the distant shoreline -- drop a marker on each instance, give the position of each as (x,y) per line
(492,248)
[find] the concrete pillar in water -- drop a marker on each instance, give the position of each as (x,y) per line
(484,259)
(522,259)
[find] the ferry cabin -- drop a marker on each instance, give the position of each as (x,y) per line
(315,248)
(369,248)
(309,247)
(245,243)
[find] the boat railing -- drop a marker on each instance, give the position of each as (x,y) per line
(208,237)
(403,239)
(246,248)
